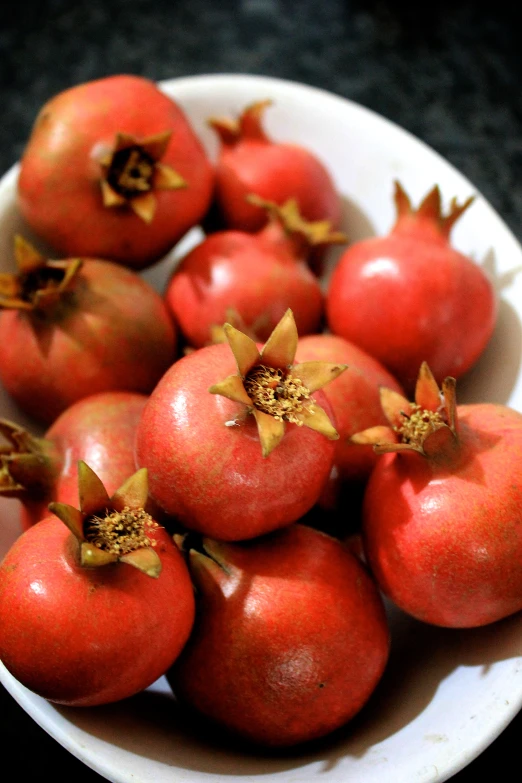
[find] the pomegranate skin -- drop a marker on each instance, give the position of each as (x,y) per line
(354,396)
(59,183)
(443,536)
(290,640)
(83,637)
(409,297)
(250,273)
(114,333)
(213,477)
(100,430)
(254,163)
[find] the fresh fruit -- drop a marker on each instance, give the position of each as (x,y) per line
(100,430)
(442,523)
(410,297)
(354,397)
(251,162)
(73,328)
(237,462)
(94,610)
(114,170)
(257,275)
(291,637)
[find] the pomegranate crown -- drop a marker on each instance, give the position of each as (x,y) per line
(424,426)
(111,529)
(273,389)
(132,171)
(39,282)
(288,215)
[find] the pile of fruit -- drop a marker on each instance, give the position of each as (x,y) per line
(203,442)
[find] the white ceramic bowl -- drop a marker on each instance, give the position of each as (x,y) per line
(446,694)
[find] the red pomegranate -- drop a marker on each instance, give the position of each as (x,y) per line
(258,276)
(222,436)
(291,637)
(113,169)
(97,612)
(410,297)
(100,430)
(71,329)
(442,523)
(251,162)
(354,397)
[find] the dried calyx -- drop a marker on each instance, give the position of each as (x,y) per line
(274,390)
(39,282)
(428,211)
(289,218)
(132,171)
(424,426)
(247,126)
(111,529)
(28,465)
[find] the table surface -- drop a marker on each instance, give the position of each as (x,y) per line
(453,81)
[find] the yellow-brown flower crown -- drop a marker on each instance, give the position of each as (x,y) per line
(423,426)
(112,529)
(132,171)
(273,389)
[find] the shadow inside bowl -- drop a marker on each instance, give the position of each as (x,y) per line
(157,727)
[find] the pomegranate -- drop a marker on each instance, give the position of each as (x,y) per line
(291,637)
(99,430)
(238,462)
(410,297)
(96,611)
(442,520)
(251,162)
(102,176)
(73,328)
(259,276)
(354,397)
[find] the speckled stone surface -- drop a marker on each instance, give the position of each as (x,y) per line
(447,72)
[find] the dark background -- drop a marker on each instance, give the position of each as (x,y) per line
(448,72)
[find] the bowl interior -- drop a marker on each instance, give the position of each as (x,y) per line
(411,729)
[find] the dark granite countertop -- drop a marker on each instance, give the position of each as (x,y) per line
(447,72)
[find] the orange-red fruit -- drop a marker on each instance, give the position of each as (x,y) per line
(443,534)
(80,636)
(205,461)
(410,297)
(257,275)
(252,162)
(111,332)
(290,640)
(59,191)
(353,396)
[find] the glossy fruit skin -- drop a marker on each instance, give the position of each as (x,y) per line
(212,476)
(410,297)
(112,332)
(59,184)
(443,537)
(256,276)
(83,637)
(289,644)
(353,396)
(276,171)
(100,430)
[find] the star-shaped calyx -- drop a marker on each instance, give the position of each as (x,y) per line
(28,465)
(424,426)
(273,389)
(112,529)
(132,171)
(289,217)
(39,282)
